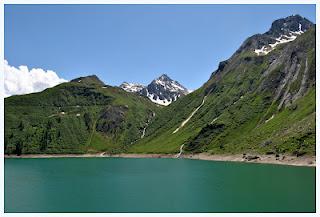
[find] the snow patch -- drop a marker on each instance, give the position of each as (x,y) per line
(131,87)
(159,101)
(280,40)
(269,119)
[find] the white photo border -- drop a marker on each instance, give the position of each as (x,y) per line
(43,2)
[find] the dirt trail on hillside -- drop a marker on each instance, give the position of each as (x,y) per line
(190,116)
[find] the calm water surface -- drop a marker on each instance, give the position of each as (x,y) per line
(155,185)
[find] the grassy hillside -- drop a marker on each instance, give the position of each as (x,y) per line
(263,104)
(80,116)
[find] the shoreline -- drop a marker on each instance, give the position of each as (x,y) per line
(290,160)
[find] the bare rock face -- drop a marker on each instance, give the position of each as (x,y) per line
(290,74)
(111,119)
(290,69)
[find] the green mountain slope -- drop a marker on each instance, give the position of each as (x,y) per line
(260,100)
(254,103)
(80,116)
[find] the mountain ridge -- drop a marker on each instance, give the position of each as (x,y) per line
(281,31)
(256,103)
(252,103)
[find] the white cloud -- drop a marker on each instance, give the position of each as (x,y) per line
(21,80)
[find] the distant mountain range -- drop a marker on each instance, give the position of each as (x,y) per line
(162,90)
(260,100)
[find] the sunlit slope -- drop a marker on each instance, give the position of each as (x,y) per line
(80,116)
(257,103)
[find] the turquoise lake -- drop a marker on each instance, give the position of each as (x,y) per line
(155,185)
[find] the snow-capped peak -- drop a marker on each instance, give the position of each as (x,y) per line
(131,87)
(169,84)
(162,90)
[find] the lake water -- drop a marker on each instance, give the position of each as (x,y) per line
(155,185)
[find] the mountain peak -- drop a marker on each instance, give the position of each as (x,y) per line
(89,80)
(293,23)
(164,77)
(162,90)
(282,31)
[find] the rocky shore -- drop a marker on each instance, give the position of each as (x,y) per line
(247,158)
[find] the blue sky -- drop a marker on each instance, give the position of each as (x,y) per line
(135,43)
